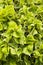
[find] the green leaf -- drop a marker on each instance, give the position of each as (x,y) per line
(28,50)
(36,54)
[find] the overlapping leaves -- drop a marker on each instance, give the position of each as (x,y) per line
(21,32)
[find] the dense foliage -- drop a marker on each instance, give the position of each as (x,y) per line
(21,32)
